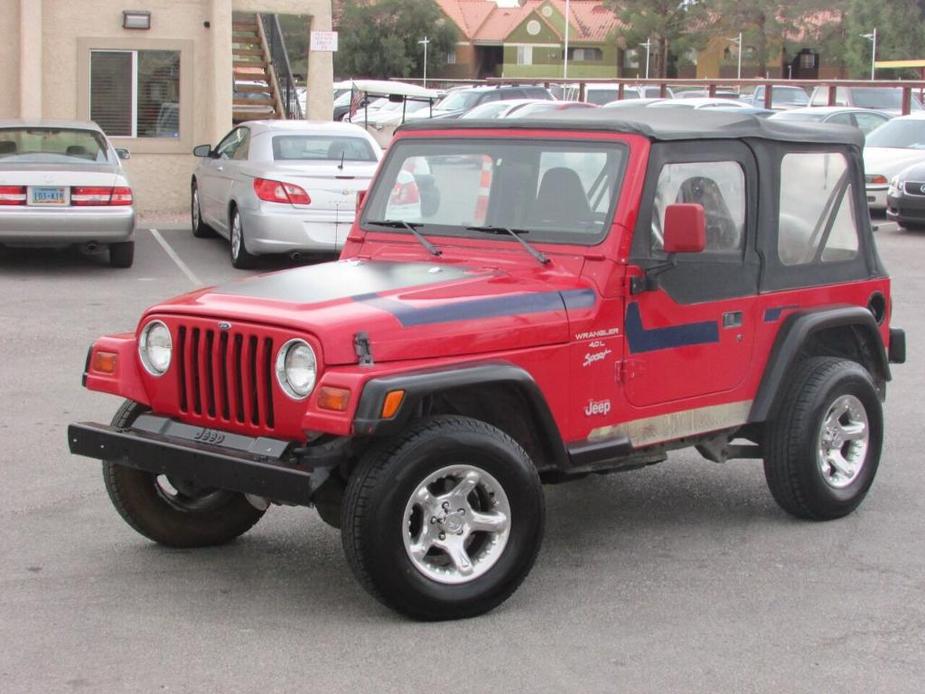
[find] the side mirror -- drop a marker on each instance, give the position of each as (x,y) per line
(123,153)
(685,228)
(202,151)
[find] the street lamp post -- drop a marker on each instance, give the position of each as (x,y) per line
(565,52)
(424,42)
(738,42)
(872,37)
(648,46)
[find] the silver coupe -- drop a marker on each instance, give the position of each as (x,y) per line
(282,187)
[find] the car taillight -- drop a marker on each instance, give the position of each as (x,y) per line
(12,195)
(277,191)
(87,196)
(405,194)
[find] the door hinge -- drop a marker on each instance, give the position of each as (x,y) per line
(363,349)
(629,369)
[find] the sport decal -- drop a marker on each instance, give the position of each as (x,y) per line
(642,340)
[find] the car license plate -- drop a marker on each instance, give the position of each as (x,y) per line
(44,195)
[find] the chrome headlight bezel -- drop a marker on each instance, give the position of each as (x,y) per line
(144,348)
(283,367)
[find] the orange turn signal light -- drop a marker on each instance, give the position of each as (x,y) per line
(391,403)
(104,362)
(332,398)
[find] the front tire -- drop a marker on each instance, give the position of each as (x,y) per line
(240,258)
(446,521)
(823,448)
(173,512)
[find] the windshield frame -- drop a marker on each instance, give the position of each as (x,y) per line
(392,159)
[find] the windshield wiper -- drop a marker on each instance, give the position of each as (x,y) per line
(516,234)
(412,227)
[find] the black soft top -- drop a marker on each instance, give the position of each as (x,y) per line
(661,124)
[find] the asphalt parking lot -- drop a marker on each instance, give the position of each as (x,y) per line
(682,577)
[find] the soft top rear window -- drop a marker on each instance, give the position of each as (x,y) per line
(321,147)
(546,190)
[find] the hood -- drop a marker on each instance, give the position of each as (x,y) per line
(889,161)
(409,310)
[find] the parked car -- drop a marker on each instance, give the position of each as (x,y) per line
(601,93)
(705,94)
(548,107)
(905,198)
(865,119)
(498,109)
(886,99)
(562,310)
(458,102)
(890,149)
(700,103)
(783,97)
(631,103)
(281,186)
(62,184)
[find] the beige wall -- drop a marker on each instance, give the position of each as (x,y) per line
(9,58)
(160,168)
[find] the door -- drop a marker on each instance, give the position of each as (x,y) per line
(214,180)
(690,330)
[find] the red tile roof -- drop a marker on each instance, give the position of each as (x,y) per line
(484,21)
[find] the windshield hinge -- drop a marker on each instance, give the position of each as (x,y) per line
(363,349)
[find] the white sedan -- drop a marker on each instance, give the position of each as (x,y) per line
(890,149)
(282,187)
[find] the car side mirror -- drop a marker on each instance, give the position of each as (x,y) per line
(202,151)
(123,153)
(685,228)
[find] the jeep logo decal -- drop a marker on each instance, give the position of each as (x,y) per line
(597,407)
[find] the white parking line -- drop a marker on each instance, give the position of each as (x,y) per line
(184,268)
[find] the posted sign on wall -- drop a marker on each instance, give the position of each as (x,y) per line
(324,41)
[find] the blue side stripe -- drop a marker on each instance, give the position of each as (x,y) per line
(642,340)
(542,302)
(772,314)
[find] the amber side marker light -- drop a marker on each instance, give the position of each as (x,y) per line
(104,362)
(331,398)
(391,403)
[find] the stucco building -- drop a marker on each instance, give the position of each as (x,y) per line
(157,91)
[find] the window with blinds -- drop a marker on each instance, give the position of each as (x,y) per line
(135,93)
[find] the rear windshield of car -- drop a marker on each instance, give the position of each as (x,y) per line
(459,100)
(53,146)
(881,97)
(321,148)
(605,96)
(549,190)
(902,134)
(792,96)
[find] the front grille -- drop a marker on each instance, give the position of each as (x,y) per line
(226,376)
(915,188)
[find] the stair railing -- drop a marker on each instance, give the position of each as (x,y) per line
(279,61)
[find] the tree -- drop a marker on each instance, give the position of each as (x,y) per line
(899,33)
(379,38)
(673,26)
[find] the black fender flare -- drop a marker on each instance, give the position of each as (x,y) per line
(794,333)
(419,384)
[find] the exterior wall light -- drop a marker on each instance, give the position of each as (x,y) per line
(136,19)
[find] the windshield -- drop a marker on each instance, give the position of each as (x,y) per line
(492,109)
(605,96)
(53,146)
(321,147)
(458,101)
(789,95)
(904,134)
(881,97)
(555,190)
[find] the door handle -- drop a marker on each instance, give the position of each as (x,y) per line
(732,319)
(219,168)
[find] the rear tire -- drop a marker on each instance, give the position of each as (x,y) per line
(823,449)
(122,254)
(240,258)
(445,521)
(162,512)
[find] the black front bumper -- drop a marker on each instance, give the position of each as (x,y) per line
(259,466)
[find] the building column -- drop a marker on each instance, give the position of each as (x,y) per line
(320,70)
(222,70)
(30,58)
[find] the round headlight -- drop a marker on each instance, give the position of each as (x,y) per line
(296,369)
(155,348)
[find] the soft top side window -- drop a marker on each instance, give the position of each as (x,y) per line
(816,219)
(719,186)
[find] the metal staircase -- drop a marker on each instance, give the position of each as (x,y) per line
(264,87)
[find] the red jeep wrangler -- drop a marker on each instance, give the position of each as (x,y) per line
(518,303)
